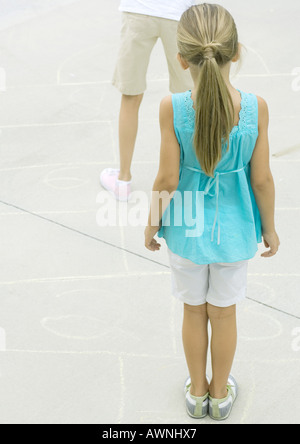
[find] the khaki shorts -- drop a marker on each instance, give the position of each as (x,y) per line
(138,36)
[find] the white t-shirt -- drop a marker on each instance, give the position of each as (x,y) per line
(169,9)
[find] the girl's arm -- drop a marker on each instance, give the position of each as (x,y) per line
(167,180)
(263,183)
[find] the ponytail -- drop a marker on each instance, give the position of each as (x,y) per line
(214,116)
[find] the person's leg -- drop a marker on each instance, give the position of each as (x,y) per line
(223,347)
(128,128)
(195,341)
(138,37)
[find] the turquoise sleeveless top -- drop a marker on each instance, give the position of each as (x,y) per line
(231,225)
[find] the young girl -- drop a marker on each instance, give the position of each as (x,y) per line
(214,141)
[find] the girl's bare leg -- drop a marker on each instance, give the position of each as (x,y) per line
(128,128)
(195,342)
(223,347)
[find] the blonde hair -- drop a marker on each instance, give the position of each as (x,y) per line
(208,38)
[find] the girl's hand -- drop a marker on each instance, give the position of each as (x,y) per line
(271,240)
(150,243)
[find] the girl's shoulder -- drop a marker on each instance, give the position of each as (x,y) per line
(166,102)
(263,111)
(176,106)
(181,97)
(261,102)
(263,107)
(184,111)
(166,108)
(253,109)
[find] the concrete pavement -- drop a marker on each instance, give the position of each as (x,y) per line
(89,331)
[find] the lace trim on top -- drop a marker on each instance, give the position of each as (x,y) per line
(246,114)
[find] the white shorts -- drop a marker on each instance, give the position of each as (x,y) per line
(221,285)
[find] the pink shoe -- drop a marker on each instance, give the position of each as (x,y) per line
(109,179)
